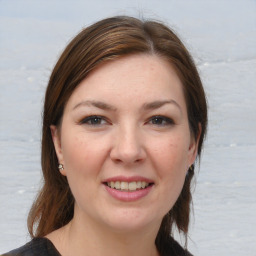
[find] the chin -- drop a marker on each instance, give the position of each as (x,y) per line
(131,220)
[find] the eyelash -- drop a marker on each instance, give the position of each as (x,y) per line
(90,119)
(154,120)
(167,121)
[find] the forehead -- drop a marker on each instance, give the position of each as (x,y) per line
(134,78)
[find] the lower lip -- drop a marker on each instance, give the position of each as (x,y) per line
(128,196)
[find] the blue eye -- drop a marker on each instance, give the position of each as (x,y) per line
(93,120)
(161,121)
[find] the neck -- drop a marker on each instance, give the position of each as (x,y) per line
(83,237)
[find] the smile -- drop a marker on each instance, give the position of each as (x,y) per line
(128,186)
(128,189)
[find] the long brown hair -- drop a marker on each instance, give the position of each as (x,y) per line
(104,41)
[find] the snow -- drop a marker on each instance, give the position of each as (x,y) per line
(222,38)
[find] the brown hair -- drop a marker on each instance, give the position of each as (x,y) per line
(104,41)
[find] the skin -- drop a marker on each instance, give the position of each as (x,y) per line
(128,139)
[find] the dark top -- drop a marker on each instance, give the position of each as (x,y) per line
(44,247)
(36,247)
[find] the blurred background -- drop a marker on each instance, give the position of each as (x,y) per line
(220,34)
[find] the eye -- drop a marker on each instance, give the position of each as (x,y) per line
(161,121)
(93,120)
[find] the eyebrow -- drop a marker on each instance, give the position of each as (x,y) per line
(147,106)
(94,103)
(160,103)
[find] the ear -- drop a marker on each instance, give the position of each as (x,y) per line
(193,147)
(57,145)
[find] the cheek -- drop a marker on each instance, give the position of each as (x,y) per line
(170,160)
(81,155)
(82,161)
(171,156)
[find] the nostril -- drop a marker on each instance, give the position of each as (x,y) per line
(117,160)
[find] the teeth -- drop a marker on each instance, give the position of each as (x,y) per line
(132,186)
(128,186)
(116,185)
(124,185)
(138,184)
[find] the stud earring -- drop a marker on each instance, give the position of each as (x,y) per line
(61,167)
(190,169)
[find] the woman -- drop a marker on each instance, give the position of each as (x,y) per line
(124,120)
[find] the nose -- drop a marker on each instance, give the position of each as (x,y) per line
(128,146)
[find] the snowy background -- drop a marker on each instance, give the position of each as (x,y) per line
(221,36)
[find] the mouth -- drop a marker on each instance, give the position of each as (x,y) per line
(128,186)
(128,189)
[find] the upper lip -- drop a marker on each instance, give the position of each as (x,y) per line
(128,179)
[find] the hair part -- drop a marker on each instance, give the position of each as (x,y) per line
(104,41)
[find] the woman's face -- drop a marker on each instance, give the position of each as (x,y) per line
(125,143)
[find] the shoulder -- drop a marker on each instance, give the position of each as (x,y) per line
(178,250)
(172,247)
(37,246)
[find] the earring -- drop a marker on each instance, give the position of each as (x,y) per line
(61,167)
(190,169)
